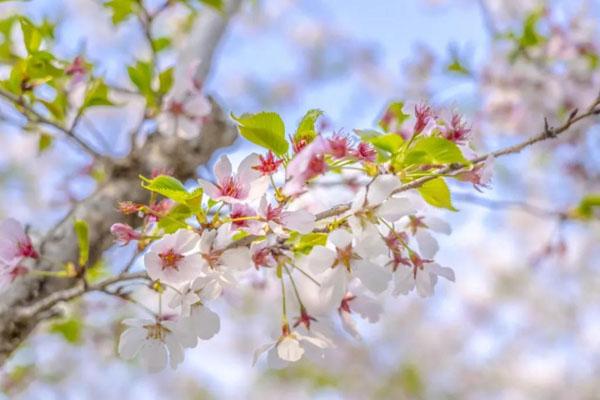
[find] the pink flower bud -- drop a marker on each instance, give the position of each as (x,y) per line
(124,233)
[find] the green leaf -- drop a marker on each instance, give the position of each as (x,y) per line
(70,329)
(175,219)
(161,43)
(121,9)
(394,112)
(44,142)
(216,4)
(96,272)
(303,244)
(96,95)
(168,187)
(306,128)
(83,240)
(141,76)
(389,142)
(436,193)
(265,129)
(165,79)
(585,209)
(32,36)
(439,150)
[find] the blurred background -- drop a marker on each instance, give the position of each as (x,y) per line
(522,320)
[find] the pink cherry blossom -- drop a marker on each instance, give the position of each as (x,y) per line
(175,258)
(124,233)
(307,164)
(15,244)
(244,186)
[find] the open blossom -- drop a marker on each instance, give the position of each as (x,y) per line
(375,202)
(243,217)
(423,114)
(15,244)
(267,165)
(423,276)
(365,152)
(219,263)
(156,342)
(307,164)
(299,220)
(291,346)
(344,258)
(124,233)
(356,301)
(183,114)
(244,186)
(175,258)
(339,146)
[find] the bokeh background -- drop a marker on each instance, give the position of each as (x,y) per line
(522,320)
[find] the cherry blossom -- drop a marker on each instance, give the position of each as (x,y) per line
(307,164)
(183,114)
(124,233)
(356,301)
(344,258)
(244,186)
(15,244)
(300,220)
(156,342)
(291,346)
(174,258)
(374,202)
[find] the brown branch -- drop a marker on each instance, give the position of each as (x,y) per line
(39,118)
(454,169)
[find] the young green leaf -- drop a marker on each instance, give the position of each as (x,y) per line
(439,150)
(82,232)
(394,112)
(96,95)
(265,129)
(436,193)
(70,329)
(306,128)
(32,36)
(167,186)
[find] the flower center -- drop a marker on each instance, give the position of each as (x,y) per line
(176,108)
(155,331)
(345,256)
(212,258)
(230,188)
(170,259)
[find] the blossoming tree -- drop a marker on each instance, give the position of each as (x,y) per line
(198,240)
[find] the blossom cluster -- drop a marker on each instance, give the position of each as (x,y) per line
(203,241)
(15,248)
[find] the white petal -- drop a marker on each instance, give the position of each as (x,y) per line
(424,283)
(340,238)
(445,272)
(301,221)
(209,188)
(428,246)
(368,308)
(395,208)
(176,354)
(358,202)
(320,259)
(154,356)
(289,349)
(206,323)
(223,169)
(381,188)
(245,171)
(349,325)
(374,277)
(404,280)
(258,352)
(238,258)
(370,245)
(258,187)
(438,225)
(130,342)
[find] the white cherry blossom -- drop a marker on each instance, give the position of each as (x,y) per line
(291,346)
(174,259)
(156,342)
(183,114)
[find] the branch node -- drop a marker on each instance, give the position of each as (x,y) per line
(548,130)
